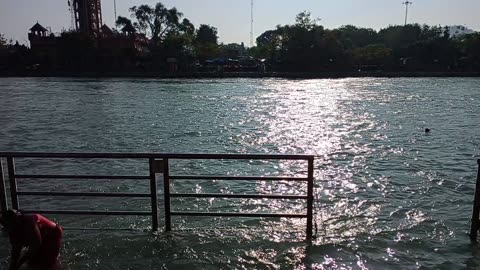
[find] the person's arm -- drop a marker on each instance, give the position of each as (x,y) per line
(34,241)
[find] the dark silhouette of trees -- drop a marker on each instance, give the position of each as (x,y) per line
(76,51)
(354,37)
(307,46)
(469,47)
(157,38)
(187,28)
(156,22)
(207,34)
(372,55)
(126,23)
(304,46)
(206,43)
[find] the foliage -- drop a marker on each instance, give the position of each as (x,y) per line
(207,34)
(303,46)
(353,37)
(126,23)
(304,20)
(470,48)
(156,22)
(307,46)
(187,28)
(374,54)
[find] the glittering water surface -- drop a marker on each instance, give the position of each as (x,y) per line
(388,196)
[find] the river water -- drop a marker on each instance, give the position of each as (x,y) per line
(388,196)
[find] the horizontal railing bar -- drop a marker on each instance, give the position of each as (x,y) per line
(92,213)
(84,194)
(154,155)
(242,196)
(99,177)
(98,229)
(237,178)
(226,214)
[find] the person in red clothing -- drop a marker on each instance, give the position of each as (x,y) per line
(42,237)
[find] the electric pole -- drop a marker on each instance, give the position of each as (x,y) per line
(251,25)
(406,10)
(115,11)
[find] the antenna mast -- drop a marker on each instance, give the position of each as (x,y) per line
(115,11)
(406,10)
(251,25)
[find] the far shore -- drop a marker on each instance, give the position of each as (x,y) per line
(199,75)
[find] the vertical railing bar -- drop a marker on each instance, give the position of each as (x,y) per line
(13,182)
(476,208)
(310,199)
(166,192)
(3,190)
(153,194)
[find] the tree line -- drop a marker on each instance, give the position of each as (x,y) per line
(304,46)
(308,47)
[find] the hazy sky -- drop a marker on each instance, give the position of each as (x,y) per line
(232,17)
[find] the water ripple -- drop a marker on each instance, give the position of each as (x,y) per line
(388,196)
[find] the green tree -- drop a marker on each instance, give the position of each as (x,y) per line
(179,44)
(354,37)
(187,28)
(156,22)
(470,48)
(374,54)
(304,20)
(306,46)
(207,34)
(126,23)
(268,44)
(399,37)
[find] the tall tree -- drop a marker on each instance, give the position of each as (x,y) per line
(375,54)
(471,48)
(304,20)
(268,44)
(207,34)
(354,37)
(156,22)
(126,23)
(187,28)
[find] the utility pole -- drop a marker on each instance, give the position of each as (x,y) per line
(251,24)
(406,10)
(115,11)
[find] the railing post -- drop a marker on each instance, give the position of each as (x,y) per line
(476,208)
(13,182)
(310,199)
(166,192)
(3,191)
(154,195)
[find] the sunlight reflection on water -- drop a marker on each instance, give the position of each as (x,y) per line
(387,195)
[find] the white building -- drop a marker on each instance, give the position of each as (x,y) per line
(459,30)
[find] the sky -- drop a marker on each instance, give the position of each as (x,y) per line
(232,17)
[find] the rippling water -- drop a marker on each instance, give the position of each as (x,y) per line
(388,196)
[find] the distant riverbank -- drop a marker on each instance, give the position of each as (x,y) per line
(290,75)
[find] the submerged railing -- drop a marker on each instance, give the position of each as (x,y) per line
(475,226)
(158,163)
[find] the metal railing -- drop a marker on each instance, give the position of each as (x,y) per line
(475,226)
(158,163)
